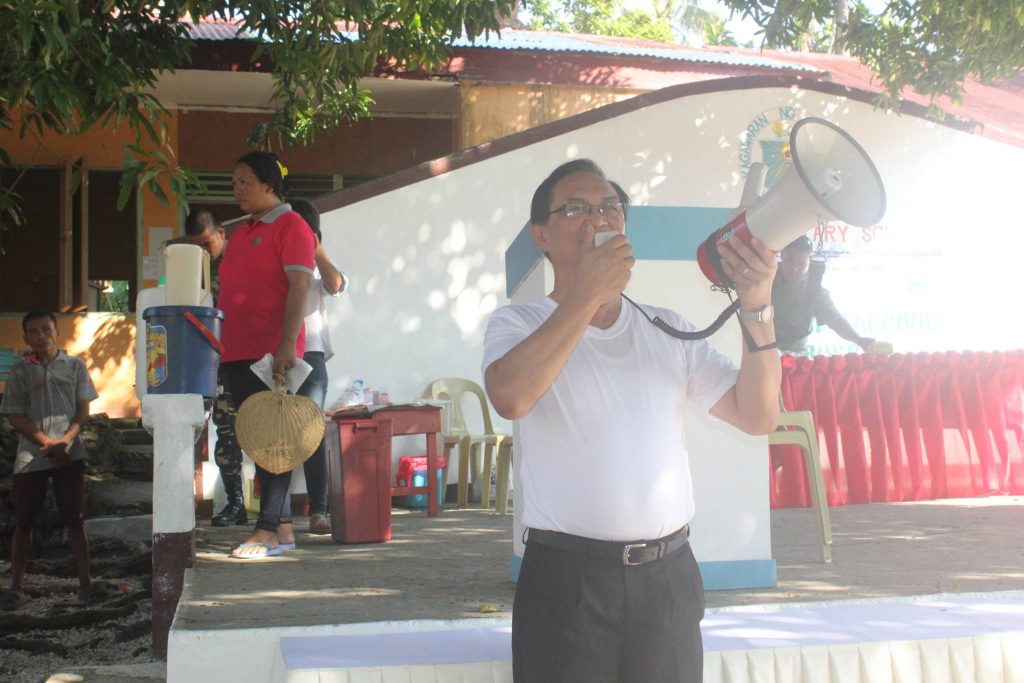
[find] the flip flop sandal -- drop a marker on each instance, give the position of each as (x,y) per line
(13,599)
(318,524)
(285,546)
(268,551)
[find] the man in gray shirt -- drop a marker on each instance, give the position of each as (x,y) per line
(47,400)
(793,311)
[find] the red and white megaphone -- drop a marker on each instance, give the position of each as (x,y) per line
(831,178)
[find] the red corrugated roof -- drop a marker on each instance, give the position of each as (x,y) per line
(998,108)
(546,57)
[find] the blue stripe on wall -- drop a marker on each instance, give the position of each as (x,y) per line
(656,232)
(720,576)
(717,576)
(520,258)
(671,232)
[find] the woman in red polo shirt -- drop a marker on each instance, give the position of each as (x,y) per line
(266,271)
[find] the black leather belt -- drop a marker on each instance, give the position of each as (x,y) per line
(629,554)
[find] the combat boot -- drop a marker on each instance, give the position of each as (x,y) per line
(234,512)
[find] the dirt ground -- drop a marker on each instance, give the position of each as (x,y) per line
(53,629)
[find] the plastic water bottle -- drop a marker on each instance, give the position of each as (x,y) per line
(353,395)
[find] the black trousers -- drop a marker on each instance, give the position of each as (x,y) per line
(275,489)
(575,619)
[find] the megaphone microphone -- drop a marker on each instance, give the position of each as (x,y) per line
(831,177)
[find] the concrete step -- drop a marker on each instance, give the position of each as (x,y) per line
(134,462)
(138,528)
(135,436)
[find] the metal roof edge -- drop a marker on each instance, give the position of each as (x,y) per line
(520,40)
(510,143)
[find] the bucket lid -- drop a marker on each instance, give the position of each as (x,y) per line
(197,311)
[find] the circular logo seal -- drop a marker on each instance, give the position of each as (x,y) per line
(766,139)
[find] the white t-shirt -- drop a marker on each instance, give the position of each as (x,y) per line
(318,334)
(602,452)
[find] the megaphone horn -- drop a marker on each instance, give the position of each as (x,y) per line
(831,178)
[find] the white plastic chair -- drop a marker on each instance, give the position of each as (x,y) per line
(796,428)
(453,389)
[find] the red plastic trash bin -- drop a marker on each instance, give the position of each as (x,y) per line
(359,479)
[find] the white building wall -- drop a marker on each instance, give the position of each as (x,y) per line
(426,261)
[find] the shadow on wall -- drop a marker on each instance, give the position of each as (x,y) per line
(428,275)
(107,345)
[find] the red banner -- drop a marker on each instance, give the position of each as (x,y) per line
(906,427)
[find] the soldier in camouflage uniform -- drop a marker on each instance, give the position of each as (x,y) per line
(203,229)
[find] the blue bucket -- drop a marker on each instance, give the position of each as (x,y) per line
(182,349)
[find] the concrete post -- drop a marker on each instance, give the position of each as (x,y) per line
(173,419)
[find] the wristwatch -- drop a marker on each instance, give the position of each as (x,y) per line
(761,315)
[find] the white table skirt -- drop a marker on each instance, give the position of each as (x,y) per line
(968,638)
(976,638)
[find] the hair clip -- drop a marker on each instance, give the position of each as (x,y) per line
(284,170)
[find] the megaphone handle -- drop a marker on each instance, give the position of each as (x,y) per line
(710,247)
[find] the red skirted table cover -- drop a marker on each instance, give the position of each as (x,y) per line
(915,426)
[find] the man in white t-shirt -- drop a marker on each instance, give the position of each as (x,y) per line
(328,281)
(609,589)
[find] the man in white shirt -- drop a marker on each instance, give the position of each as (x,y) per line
(609,589)
(328,281)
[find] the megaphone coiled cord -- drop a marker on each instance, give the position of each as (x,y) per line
(658,322)
(682,335)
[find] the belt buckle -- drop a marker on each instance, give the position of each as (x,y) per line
(625,554)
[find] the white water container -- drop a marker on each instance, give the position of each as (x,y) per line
(187,273)
(153,296)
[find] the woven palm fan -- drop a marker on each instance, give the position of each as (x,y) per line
(279,430)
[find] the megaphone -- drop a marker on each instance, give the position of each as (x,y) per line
(831,178)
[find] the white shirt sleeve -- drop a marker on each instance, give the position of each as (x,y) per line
(505,330)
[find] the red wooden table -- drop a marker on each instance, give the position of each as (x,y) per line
(417,419)
(407,419)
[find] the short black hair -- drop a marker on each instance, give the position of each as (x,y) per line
(38,313)
(801,243)
(540,210)
(310,214)
(267,169)
(199,221)
(623,197)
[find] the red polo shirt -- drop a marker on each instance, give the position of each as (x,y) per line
(254,282)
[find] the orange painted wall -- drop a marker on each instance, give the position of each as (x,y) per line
(98,148)
(106,342)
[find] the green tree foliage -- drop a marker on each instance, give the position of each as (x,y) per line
(69,65)
(691,19)
(931,46)
(667,21)
(597,17)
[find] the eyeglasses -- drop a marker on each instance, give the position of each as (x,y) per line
(612,210)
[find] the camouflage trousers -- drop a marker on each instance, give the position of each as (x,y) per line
(227,453)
